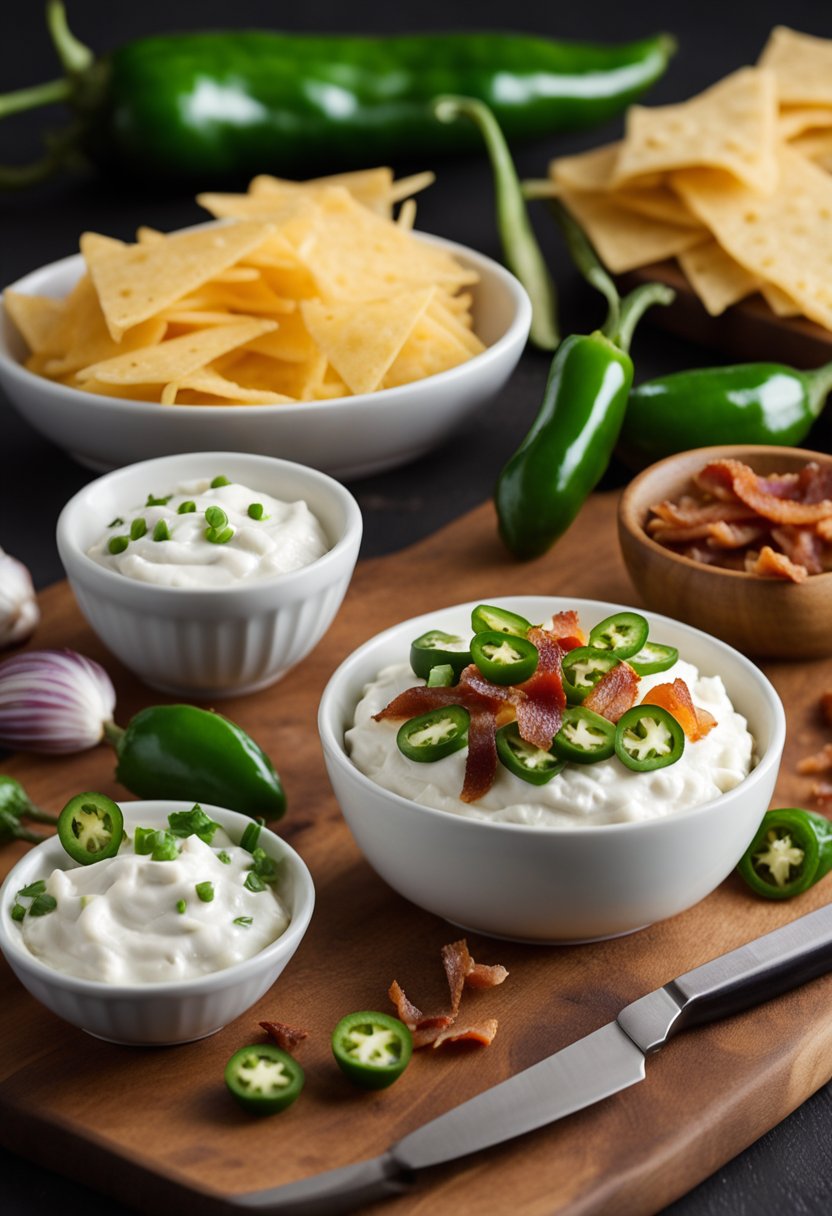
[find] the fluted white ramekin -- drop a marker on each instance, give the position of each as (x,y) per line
(161,1013)
(219,641)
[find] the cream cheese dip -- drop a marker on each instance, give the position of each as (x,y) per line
(210,534)
(605,792)
(131,920)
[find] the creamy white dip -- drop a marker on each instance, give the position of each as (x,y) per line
(605,792)
(118,920)
(286,537)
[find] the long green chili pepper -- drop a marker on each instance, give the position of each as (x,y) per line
(207,105)
(520,248)
(746,403)
(791,851)
(570,443)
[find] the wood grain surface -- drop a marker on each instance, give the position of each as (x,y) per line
(156,1129)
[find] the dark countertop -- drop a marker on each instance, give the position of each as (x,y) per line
(789,1169)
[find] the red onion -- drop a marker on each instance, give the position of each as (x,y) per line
(53,701)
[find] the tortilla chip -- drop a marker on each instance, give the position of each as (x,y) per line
(212,384)
(729,126)
(802,65)
(716,278)
(37,318)
(430,349)
(134,282)
(785,238)
(624,239)
(794,120)
(361,344)
(177,358)
(781,304)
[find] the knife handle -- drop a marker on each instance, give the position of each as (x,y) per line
(346,1189)
(764,968)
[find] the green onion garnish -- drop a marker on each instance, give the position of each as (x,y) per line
(254,882)
(242,920)
(33,889)
(161,531)
(224,858)
(193,823)
(18,912)
(118,522)
(186,508)
(263,866)
(218,532)
(181,906)
(43,904)
(153,501)
(160,845)
(118,544)
(138,528)
(205,891)
(220,481)
(250,836)
(255,511)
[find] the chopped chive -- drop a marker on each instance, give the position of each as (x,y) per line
(220,481)
(220,538)
(193,823)
(250,836)
(160,845)
(43,904)
(224,858)
(34,888)
(118,522)
(242,920)
(138,528)
(186,508)
(153,501)
(118,544)
(18,912)
(181,905)
(217,532)
(161,531)
(215,517)
(254,882)
(255,511)
(205,891)
(263,866)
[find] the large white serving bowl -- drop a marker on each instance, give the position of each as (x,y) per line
(160,1013)
(348,437)
(552,884)
(210,642)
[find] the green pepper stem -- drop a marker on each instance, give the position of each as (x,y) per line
(588,263)
(635,305)
(113,734)
(32,98)
(38,815)
(520,247)
(74,55)
(820,385)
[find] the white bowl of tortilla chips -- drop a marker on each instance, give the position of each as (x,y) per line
(307,324)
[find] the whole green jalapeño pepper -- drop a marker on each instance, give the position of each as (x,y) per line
(791,851)
(571,441)
(180,751)
(212,104)
(766,403)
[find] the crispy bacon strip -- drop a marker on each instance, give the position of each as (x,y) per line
(424,1028)
(286,1037)
(734,536)
(614,693)
(676,699)
(481,1032)
(482,975)
(481,760)
(566,628)
(688,513)
(819,762)
(769,564)
(458,965)
(774,498)
(540,713)
(802,546)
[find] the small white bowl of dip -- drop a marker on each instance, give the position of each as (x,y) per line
(163,1012)
(208,641)
(540,882)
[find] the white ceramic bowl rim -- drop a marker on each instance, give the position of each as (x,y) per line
(419,624)
(376,400)
(304,893)
(329,485)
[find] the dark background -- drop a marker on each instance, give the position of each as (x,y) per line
(789,1170)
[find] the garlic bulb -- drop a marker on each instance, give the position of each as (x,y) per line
(19,613)
(53,701)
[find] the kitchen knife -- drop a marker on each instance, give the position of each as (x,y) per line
(593,1068)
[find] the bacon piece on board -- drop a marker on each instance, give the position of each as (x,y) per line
(480,1032)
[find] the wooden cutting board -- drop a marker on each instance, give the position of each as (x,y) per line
(156,1129)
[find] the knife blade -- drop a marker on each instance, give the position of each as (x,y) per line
(587,1071)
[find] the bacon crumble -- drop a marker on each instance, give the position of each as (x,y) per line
(461,972)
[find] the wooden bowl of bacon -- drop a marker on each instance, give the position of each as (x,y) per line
(737,541)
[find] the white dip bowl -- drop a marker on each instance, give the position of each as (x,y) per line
(552,884)
(158,1013)
(219,641)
